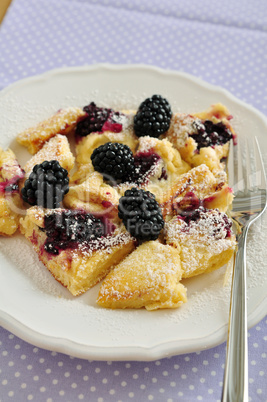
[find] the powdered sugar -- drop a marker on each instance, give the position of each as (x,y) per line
(147,143)
(106,243)
(181,127)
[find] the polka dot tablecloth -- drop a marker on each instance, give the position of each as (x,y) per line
(224,43)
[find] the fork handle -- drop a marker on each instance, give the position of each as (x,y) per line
(235,387)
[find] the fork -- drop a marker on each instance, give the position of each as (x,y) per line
(248,204)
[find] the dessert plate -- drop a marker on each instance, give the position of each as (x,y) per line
(39,310)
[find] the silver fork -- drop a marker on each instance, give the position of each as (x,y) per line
(248,204)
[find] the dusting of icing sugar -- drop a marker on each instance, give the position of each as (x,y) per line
(126,120)
(203,302)
(142,271)
(208,235)
(181,126)
(147,143)
(51,150)
(59,121)
(21,254)
(210,229)
(106,244)
(198,180)
(209,297)
(257,253)
(221,176)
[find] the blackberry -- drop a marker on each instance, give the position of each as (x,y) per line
(114,161)
(99,119)
(46,185)
(153,117)
(69,228)
(209,134)
(141,214)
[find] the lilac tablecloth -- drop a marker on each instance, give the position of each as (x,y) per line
(225,43)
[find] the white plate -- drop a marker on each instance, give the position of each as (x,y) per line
(39,310)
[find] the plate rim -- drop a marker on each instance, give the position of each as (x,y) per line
(124,353)
(136,353)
